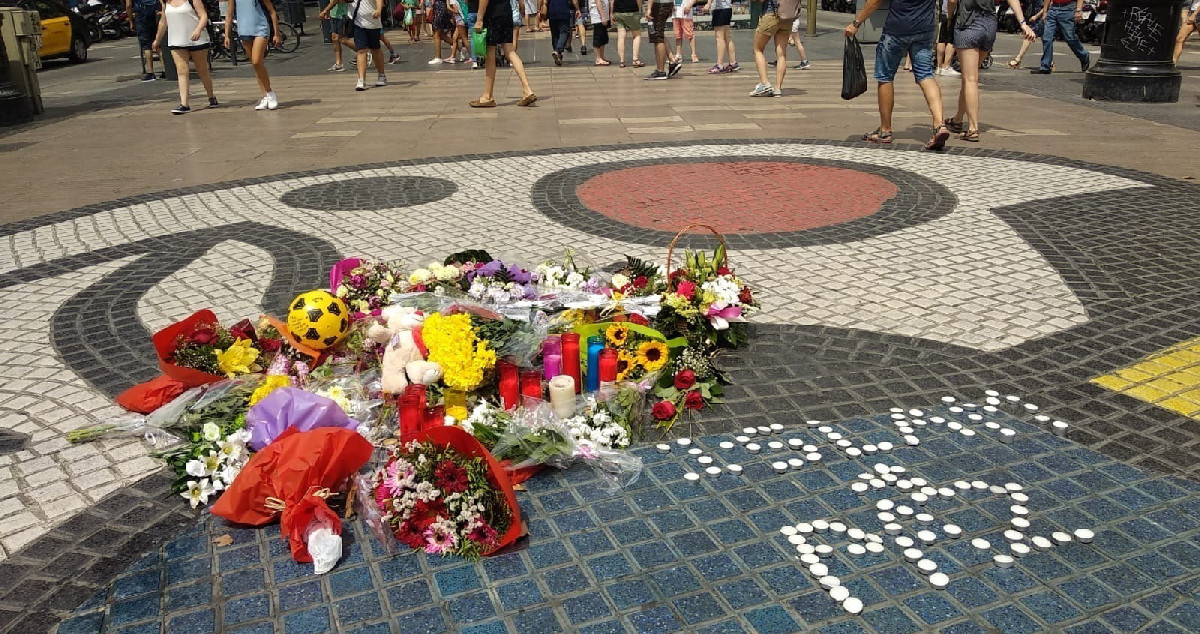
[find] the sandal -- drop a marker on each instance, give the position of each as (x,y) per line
(637,63)
(952,125)
(878,136)
(1014,64)
(970,135)
(940,136)
(622,64)
(604,63)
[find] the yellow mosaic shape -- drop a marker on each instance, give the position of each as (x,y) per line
(1169,378)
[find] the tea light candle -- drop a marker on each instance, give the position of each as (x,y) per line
(809,559)
(1031,407)
(742,439)
(873,547)
(1060,537)
(904,510)
(991,399)
(1020,523)
(904,429)
(833,435)
(992,425)
(955,425)
(997,489)
(818,570)
(753,447)
(924,518)
(713,471)
(904,485)
(927,566)
(979,485)
(749,431)
(1059,427)
(1041,543)
(812,423)
(913,554)
(839,593)
(857,534)
(763,430)
(775,445)
(735,469)
(860,487)
(837,527)
(967,432)
(990,409)
(795,443)
(1007,435)
(904,541)
(820,526)
(898,417)
(970,407)
(879,467)
(885,516)
(1012,398)
(804,528)
(948,399)
(919,422)
(852,605)
(946,492)
(704,460)
(937,420)
(952,530)
(779,467)
(810,448)
(1019,510)
(956,410)
(812,457)
(726,445)
(912,441)
(892,528)
(829,582)
(962,485)
(853,452)
(824,429)
(1018,549)
(824,550)
(869,449)
(795,463)
(1014,536)
(1084,535)
(796,540)
(886,446)
(661,447)
(683,442)
(691,477)
(805,549)
(1003,561)
(776,427)
(787,530)
(916,413)
(1042,418)
(939,580)
(981,543)
(695,451)
(562,395)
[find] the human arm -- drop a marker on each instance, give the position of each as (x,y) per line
(483,5)
(129,11)
(378,9)
(269,7)
(202,13)
(1015,5)
(162,30)
(862,15)
(230,10)
(1078,10)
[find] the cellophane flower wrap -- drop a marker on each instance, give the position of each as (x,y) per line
(365,286)
(706,302)
(443,501)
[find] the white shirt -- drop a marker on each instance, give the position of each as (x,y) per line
(680,13)
(594,7)
(363,18)
(717,5)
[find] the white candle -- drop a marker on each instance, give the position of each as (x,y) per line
(562,395)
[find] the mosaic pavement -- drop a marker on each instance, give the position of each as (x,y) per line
(1031,274)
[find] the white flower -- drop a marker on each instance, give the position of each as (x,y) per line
(211,432)
(342,291)
(620,280)
(420,276)
(195,468)
(198,492)
(230,473)
(212,462)
(574,280)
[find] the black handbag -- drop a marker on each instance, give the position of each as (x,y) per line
(347,30)
(854,70)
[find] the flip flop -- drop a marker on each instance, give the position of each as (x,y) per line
(637,63)
(603,63)
(622,64)
(971,136)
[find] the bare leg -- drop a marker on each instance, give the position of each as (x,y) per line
(518,67)
(722,35)
(781,45)
(637,45)
(660,55)
(181,69)
(516,37)
(887,100)
(760,60)
(258,52)
(692,44)
(362,64)
(337,49)
(148,55)
(621,44)
(200,59)
(732,52)
(933,97)
(378,55)
(489,74)
(969,101)
(1185,31)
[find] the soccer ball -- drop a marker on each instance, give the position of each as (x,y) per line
(318,319)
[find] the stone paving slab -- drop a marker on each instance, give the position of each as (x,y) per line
(666,554)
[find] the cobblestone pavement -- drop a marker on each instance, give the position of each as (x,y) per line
(940,279)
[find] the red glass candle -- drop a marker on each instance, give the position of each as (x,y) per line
(531,384)
(608,365)
(435,416)
(570,358)
(412,410)
(509,383)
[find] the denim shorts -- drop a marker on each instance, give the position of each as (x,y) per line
(890,52)
(979,34)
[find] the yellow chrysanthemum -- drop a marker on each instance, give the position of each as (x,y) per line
(625,364)
(652,355)
(269,384)
(617,334)
(453,345)
(237,359)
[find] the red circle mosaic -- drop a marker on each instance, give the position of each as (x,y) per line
(735,197)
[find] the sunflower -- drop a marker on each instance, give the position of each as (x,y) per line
(617,334)
(652,355)
(625,365)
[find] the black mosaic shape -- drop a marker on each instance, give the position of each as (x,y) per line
(97,333)
(370,193)
(12,441)
(918,200)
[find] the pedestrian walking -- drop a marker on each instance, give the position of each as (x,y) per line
(443,29)
(908,30)
(628,16)
(722,17)
(945,43)
(496,17)
(531,15)
(337,12)
(412,9)
(775,24)
(795,41)
(367,31)
(1187,28)
(143,18)
(685,29)
(601,15)
(975,27)
(185,25)
(256,20)
(581,24)
(1059,17)
(459,44)
(658,13)
(561,14)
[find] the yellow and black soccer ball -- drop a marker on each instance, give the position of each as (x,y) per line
(318,319)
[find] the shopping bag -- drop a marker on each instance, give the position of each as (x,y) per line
(479,43)
(854,71)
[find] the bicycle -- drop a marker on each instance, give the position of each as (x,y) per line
(217,48)
(289,40)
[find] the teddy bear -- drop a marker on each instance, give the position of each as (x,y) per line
(404,357)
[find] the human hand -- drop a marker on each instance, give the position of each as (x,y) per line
(375,13)
(228,44)
(851,30)
(277,40)
(196,35)
(1079,16)
(155,46)
(479,25)
(1028,32)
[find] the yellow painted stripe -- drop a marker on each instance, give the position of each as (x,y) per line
(1169,378)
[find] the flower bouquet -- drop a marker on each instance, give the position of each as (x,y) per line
(365,286)
(197,350)
(443,493)
(495,282)
(704,300)
(435,278)
(692,384)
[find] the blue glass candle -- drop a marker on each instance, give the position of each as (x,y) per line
(595,344)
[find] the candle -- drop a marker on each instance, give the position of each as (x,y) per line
(506,371)
(551,365)
(608,366)
(551,357)
(412,409)
(595,344)
(435,416)
(562,395)
(570,358)
(531,384)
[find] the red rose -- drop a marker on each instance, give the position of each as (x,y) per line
(685,380)
(663,410)
(270,345)
(687,289)
(638,319)
(745,296)
(640,281)
(243,330)
(693,400)
(203,337)
(724,270)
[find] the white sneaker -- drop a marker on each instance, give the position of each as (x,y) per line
(272,102)
(262,104)
(336,68)
(360,86)
(381,81)
(937,71)
(435,61)
(951,72)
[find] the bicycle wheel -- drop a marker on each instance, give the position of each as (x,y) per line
(288,40)
(240,51)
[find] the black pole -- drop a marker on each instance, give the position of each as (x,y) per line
(1136,53)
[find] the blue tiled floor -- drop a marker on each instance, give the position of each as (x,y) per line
(666,555)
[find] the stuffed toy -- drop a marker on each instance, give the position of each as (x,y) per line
(401,332)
